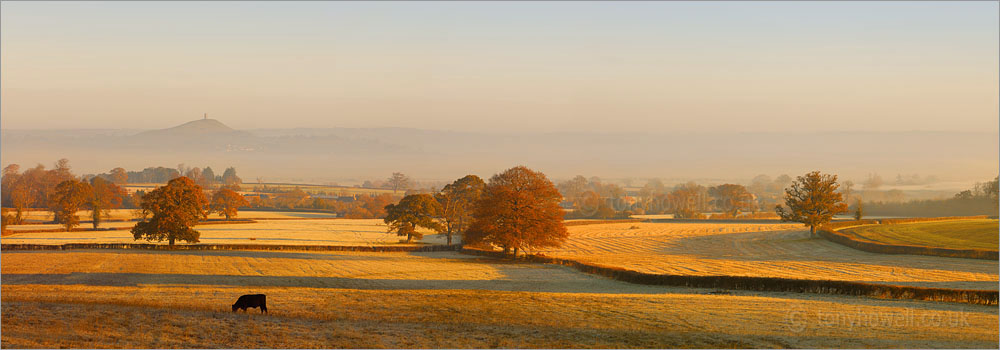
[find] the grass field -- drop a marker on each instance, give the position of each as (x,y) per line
(762,250)
(162,299)
(303,231)
(955,234)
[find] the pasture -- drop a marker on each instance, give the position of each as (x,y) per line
(955,234)
(761,250)
(117,215)
(135,298)
(289,230)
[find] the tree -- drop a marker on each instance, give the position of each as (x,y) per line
(207,176)
(398,181)
(688,201)
(457,201)
(731,198)
(104,196)
(229,177)
(519,209)
(66,200)
(847,188)
(860,211)
(415,210)
(291,199)
(118,176)
(175,207)
(15,193)
(813,200)
(873,182)
(652,188)
(195,175)
(226,202)
(572,189)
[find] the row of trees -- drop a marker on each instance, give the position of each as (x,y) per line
(204,177)
(31,188)
(39,187)
(173,209)
(981,199)
(590,198)
(518,210)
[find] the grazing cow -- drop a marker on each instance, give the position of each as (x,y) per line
(251,300)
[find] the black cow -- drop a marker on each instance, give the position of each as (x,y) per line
(251,300)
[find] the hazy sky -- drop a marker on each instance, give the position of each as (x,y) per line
(582,66)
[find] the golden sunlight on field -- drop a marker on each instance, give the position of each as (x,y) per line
(182,299)
(766,250)
(291,231)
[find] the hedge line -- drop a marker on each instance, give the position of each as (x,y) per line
(830,233)
(769,284)
(883,248)
(840,224)
(903,221)
(378,249)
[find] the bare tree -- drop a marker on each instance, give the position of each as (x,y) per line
(398,181)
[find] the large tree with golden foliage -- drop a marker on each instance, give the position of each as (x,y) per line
(457,202)
(731,198)
(227,202)
(175,207)
(66,200)
(104,196)
(519,209)
(415,210)
(813,200)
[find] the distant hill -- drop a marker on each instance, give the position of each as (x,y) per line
(357,154)
(199,128)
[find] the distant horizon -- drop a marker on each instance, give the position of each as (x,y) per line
(827,131)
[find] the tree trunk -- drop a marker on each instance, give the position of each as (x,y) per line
(19,216)
(449,238)
(227,216)
(171,241)
(812,231)
(409,238)
(515,253)
(96,218)
(506,250)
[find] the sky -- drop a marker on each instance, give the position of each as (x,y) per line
(503,66)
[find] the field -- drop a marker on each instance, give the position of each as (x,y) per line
(133,298)
(763,250)
(288,230)
(956,234)
(129,214)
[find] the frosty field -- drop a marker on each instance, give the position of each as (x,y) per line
(764,250)
(113,298)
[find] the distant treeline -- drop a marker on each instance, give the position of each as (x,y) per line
(980,200)
(941,207)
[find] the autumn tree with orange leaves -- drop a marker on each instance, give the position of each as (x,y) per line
(813,200)
(175,207)
(519,210)
(66,199)
(227,202)
(103,197)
